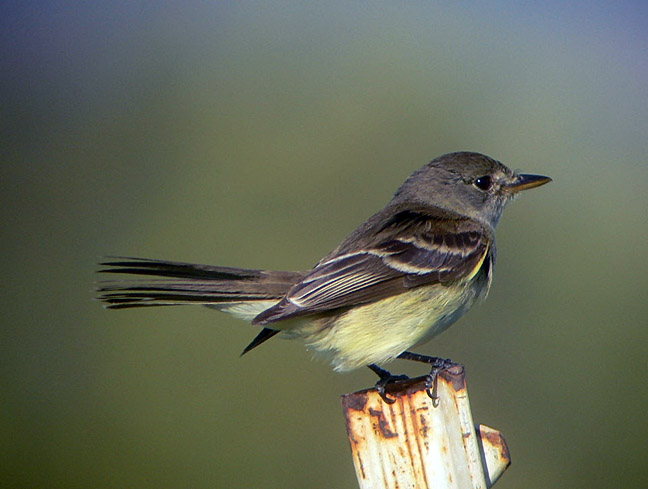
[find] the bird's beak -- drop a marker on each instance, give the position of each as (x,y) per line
(523,182)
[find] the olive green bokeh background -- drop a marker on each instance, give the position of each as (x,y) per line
(259,135)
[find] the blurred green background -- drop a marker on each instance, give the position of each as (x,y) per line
(259,134)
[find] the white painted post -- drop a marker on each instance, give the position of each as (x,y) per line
(412,444)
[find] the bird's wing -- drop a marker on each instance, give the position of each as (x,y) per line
(420,250)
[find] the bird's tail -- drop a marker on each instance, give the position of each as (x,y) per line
(241,292)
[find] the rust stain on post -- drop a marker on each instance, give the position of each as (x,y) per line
(356,402)
(411,443)
(495,452)
(383,425)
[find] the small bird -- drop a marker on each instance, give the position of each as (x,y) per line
(402,277)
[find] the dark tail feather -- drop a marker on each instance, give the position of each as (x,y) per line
(263,336)
(186,283)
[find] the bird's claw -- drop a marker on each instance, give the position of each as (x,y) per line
(385,378)
(381,386)
(432,379)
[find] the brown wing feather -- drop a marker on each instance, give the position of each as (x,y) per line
(411,249)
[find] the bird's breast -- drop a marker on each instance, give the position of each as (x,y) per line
(379,331)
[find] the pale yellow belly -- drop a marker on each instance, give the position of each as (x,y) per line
(378,332)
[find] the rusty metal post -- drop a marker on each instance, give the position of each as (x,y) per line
(411,443)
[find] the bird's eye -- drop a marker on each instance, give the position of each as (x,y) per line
(483,183)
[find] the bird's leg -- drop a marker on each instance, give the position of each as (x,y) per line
(438,365)
(385,378)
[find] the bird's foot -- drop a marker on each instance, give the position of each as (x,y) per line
(438,366)
(432,379)
(385,378)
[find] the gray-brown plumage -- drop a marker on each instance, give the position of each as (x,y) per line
(401,248)
(403,276)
